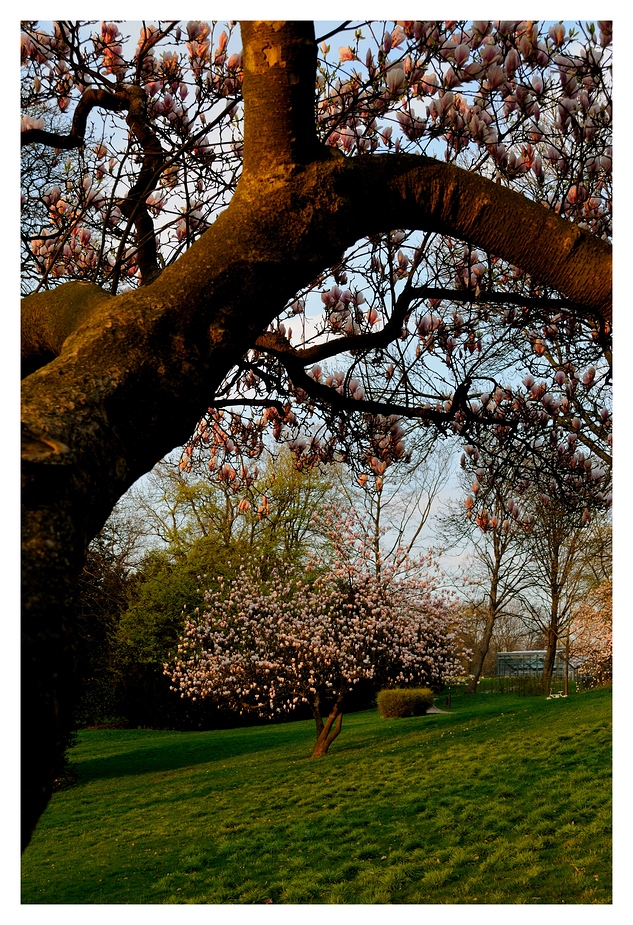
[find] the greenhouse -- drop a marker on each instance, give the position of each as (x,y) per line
(525,664)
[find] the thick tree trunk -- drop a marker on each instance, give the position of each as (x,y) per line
(124,379)
(328,731)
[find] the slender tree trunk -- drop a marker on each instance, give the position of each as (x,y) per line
(377,555)
(493,604)
(566,690)
(552,630)
(481,652)
(550,652)
(315,706)
(328,731)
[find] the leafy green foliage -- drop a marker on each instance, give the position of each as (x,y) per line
(152,623)
(166,589)
(401,701)
(132,619)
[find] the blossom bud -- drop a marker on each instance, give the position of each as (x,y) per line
(395,79)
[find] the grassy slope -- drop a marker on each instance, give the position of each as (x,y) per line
(504,800)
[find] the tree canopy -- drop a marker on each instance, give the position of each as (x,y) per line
(269,642)
(441,190)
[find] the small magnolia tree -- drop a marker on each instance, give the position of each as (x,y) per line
(268,646)
(593,634)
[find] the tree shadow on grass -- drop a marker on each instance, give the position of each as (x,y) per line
(182,750)
(161,752)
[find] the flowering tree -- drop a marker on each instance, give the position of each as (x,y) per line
(269,645)
(202,196)
(592,632)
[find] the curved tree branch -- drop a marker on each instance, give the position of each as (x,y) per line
(114,101)
(341,401)
(132,99)
(273,343)
(235,279)
(412,191)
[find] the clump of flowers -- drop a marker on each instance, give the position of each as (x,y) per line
(268,644)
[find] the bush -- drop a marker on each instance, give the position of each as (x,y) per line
(399,701)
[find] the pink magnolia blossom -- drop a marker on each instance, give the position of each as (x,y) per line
(346,54)
(592,634)
(395,79)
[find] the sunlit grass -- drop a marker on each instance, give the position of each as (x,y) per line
(503,800)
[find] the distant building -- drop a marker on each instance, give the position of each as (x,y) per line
(528,664)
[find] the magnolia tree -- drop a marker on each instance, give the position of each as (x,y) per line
(310,636)
(592,631)
(439,193)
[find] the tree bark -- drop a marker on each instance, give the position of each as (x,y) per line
(328,731)
(115,383)
(280,62)
(315,706)
(550,649)
(482,651)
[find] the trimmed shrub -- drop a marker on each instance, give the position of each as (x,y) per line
(401,701)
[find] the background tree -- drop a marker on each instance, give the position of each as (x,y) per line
(592,629)
(150,624)
(510,634)
(396,499)
(542,494)
(559,548)
(117,377)
(493,574)
(270,502)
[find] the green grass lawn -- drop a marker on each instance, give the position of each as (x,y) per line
(505,799)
